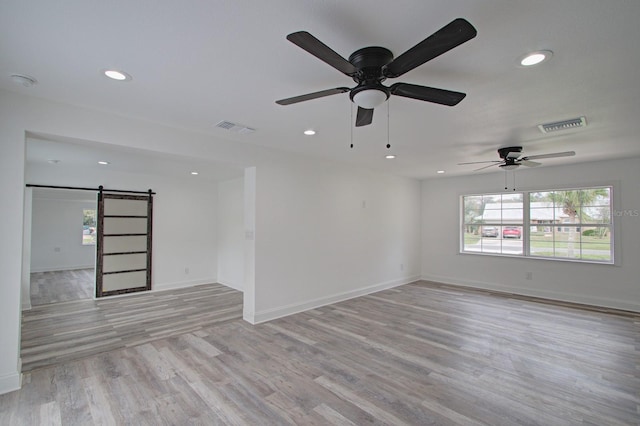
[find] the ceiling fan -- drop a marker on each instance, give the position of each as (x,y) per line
(370,66)
(511,158)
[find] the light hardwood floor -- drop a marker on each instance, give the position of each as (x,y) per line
(61,286)
(55,333)
(420,354)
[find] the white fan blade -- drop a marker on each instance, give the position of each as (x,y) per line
(479,162)
(486,167)
(554,155)
(530,163)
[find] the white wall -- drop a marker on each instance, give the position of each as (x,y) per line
(326,231)
(12,154)
(56,238)
(231,233)
(604,285)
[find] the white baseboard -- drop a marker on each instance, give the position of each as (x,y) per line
(182,284)
(231,285)
(536,292)
(283,311)
(63,268)
(10,382)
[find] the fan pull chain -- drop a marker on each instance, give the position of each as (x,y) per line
(351,122)
(388,125)
(505,180)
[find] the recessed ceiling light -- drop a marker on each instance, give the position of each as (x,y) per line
(535,58)
(390,157)
(309,132)
(440,172)
(53,161)
(117,75)
(104,163)
(194,173)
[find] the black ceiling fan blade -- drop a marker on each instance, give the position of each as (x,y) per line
(313,95)
(451,35)
(553,155)
(364,117)
(321,51)
(429,94)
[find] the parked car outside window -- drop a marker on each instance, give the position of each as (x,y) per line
(511,232)
(490,231)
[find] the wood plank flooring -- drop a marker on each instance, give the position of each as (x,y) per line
(419,354)
(60,332)
(61,286)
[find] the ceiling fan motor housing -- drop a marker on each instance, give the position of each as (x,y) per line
(510,153)
(369,62)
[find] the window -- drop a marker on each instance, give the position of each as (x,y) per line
(571,224)
(493,223)
(88,227)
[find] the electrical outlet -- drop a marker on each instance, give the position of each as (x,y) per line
(402,266)
(186,271)
(528,275)
(56,249)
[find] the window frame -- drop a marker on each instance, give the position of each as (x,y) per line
(612,225)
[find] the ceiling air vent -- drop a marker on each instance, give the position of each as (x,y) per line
(234,127)
(563,125)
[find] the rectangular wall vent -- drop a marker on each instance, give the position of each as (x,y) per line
(563,125)
(234,127)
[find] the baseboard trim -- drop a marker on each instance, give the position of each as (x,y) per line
(230,285)
(10,382)
(62,268)
(283,311)
(26,305)
(539,293)
(182,284)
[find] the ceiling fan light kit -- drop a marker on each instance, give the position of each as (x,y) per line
(370,66)
(369,98)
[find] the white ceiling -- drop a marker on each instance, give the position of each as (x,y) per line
(198,62)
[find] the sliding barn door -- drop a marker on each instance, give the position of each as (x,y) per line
(123,263)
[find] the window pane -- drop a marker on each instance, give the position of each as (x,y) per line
(513,198)
(568,250)
(88,227)
(596,197)
(511,239)
(596,243)
(472,239)
(596,214)
(512,215)
(472,216)
(541,240)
